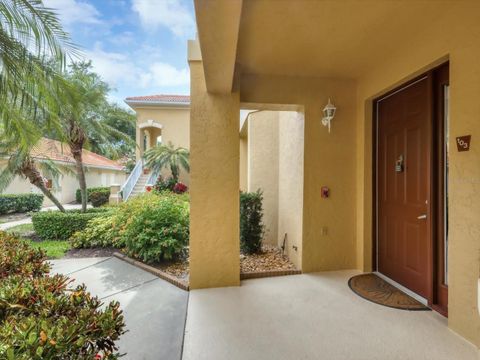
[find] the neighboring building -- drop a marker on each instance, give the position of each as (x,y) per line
(100,171)
(162,119)
(391,188)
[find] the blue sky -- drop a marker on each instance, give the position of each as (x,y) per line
(139,47)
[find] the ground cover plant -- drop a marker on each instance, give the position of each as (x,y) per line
(46,317)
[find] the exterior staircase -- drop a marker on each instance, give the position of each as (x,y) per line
(139,187)
(136,182)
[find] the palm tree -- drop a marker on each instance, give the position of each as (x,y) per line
(33,48)
(167,156)
(20,163)
(82,118)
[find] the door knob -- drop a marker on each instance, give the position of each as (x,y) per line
(421,217)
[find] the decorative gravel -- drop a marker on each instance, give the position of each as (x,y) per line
(271,258)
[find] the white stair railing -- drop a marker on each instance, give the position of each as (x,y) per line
(132,179)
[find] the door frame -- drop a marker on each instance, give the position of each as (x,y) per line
(437,165)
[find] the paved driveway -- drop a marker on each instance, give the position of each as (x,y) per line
(154,310)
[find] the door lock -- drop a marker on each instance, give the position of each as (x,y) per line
(421,217)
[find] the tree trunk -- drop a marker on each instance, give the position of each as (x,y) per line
(29,170)
(175,172)
(76,140)
(77,155)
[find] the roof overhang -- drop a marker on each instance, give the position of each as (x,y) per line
(310,39)
(218,24)
(154,103)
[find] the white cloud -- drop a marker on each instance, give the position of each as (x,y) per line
(171,14)
(121,69)
(74,11)
(113,67)
(165,75)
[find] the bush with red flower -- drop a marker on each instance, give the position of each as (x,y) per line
(169,184)
(180,188)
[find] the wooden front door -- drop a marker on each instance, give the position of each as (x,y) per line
(404,158)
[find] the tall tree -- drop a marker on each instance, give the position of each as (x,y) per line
(82,117)
(168,156)
(33,48)
(118,147)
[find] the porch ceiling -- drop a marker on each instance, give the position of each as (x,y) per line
(329,38)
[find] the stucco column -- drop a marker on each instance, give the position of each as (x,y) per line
(139,141)
(214,185)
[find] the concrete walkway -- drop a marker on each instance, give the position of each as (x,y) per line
(154,310)
(310,316)
(8,225)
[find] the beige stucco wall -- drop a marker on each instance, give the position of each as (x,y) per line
(459,43)
(175,128)
(413,38)
(263,167)
(275,166)
(68,184)
(243,163)
(214,190)
(290,184)
(329,160)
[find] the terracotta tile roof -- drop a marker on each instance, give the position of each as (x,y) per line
(175,99)
(58,151)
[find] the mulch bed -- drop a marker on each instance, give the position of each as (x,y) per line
(85,253)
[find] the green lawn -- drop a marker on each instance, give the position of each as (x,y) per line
(54,248)
(21,230)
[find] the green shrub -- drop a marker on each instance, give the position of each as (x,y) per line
(99,232)
(252,229)
(20,203)
(55,225)
(99,197)
(43,317)
(158,229)
(78,193)
(18,258)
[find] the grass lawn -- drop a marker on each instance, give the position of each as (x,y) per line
(21,230)
(54,248)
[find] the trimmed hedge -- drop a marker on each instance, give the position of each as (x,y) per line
(78,194)
(45,317)
(55,225)
(99,197)
(10,203)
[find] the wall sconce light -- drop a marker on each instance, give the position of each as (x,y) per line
(328,114)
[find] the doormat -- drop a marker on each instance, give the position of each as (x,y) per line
(373,288)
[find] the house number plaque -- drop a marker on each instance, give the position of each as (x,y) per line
(463,143)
